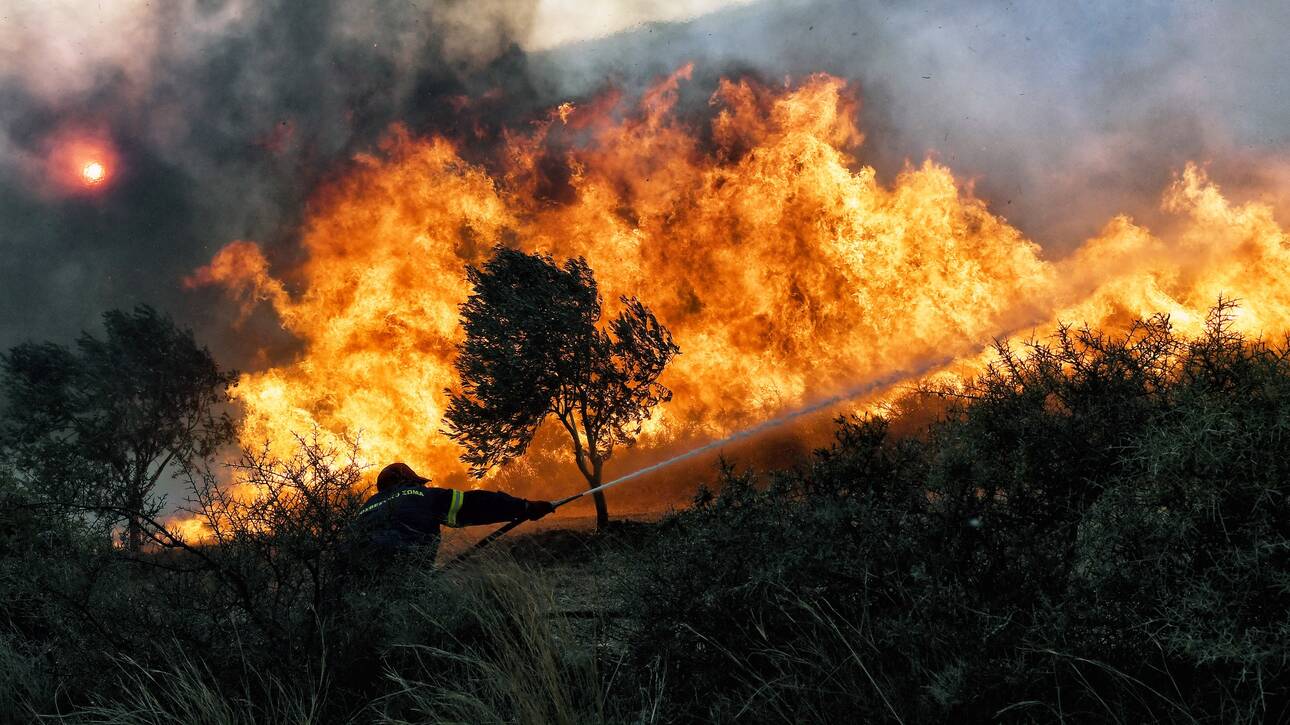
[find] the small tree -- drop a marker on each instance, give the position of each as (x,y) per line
(533,348)
(99,425)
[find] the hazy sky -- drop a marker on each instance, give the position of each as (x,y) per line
(559,22)
(224,114)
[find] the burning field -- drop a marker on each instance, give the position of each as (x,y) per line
(755,231)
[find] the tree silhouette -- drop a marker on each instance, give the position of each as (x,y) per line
(97,426)
(534,348)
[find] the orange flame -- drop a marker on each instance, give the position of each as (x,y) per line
(784,269)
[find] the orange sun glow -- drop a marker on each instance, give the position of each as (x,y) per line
(80,160)
(93,172)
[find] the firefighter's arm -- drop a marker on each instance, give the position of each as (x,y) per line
(467,508)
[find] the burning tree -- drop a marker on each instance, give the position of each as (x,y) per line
(95,428)
(534,348)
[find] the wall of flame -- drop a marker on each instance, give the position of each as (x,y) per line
(784,268)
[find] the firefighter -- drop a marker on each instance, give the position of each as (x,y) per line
(406,513)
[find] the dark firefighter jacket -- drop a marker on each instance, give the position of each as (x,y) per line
(411,515)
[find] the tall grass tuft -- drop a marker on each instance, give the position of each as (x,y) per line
(185,691)
(510,656)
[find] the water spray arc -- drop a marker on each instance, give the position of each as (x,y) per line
(870,386)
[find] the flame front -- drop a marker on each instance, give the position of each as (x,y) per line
(784,269)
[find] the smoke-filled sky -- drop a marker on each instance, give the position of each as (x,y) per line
(220,117)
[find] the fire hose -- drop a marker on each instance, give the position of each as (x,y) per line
(506,528)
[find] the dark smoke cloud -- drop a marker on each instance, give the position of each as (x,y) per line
(224,116)
(227,114)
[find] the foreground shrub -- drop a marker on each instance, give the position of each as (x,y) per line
(1185,565)
(803,597)
(1096,530)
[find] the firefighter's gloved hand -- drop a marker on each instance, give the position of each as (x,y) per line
(534,510)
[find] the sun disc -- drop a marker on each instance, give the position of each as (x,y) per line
(93,172)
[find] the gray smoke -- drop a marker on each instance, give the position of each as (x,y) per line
(1062,113)
(227,114)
